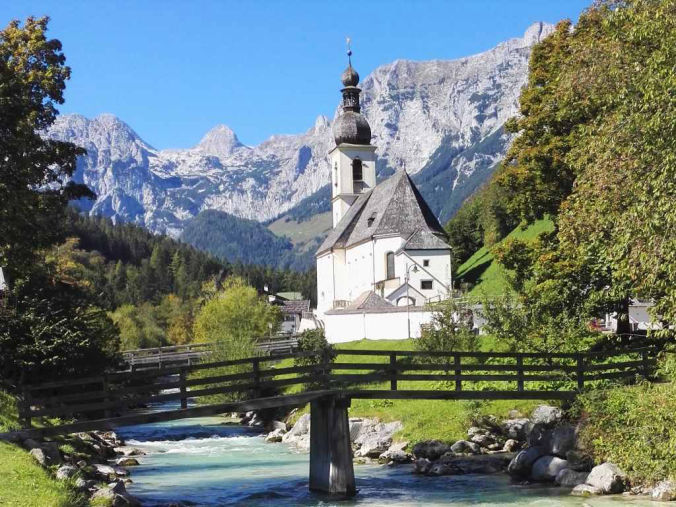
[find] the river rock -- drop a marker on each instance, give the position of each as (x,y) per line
(579,461)
(586,490)
(104,471)
(563,439)
(511,445)
(540,436)
(664,491)
(570,478)
(299,435)
(277,425)
(465,447)
(65,472)
(484,440)
(30,444)
(422,466)
(522,463)
(375,439)
(547,415)
(275,436)
(607,477)
(517,428)
(430,449)
(450,464)
(129,451)
(127,462)
(398,456)
(39,456)
(546,468)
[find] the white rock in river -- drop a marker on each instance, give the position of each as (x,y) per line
(608,477)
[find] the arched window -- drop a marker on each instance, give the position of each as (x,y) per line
(357,173)
(335,175)
(390,264)
(406,301)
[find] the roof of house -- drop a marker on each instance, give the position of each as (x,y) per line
(394,207)
(367,300)
(295,306)
(291,296)
(423,239)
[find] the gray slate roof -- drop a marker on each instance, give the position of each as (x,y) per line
(423,239)
(368,300)
(394,207)
(295,306)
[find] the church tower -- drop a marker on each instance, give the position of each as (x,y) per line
(353,160)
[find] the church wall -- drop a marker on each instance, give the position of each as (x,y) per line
(438,270)
(324,283)
(374,326)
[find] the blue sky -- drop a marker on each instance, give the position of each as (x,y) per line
(174,69)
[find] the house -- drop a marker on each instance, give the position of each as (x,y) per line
(387,255)
(294,309)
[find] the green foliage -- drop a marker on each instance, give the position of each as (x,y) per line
(33,171)
(450,329)
(633,427)
(314,341)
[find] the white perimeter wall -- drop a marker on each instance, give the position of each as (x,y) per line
(374,326)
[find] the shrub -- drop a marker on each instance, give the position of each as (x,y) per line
(314,341)
(633,427)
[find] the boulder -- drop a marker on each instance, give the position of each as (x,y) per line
(30,444)
(127,462)
(522,463)
(81,483)
(607,477)
(66,472)
(664,491)
(430,449)
(302,427)
(484,440)
(517,428)
(546,415)
(465,447)
(275,436)
(52,453)
(277,425)
(129,451)
(562,440)
(373,446)
(39,456)
(570,478)
(451,464)
(105,495)
(422,466)
(398,456)
(579,461)
(515,414)
(511,445)
(546,468)
(540,436)
(104,472)
(585,490)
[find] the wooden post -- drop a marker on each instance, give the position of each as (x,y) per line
(458,372)
(257,377)
(184,394)
(393,371)
(331,468)
(325,369)
(580,372)
(106,397)
(519,372)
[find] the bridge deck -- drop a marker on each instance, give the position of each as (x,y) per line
(256,383)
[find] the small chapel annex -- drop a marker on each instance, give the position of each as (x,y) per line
(387,255)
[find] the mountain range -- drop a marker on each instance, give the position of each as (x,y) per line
(440,120)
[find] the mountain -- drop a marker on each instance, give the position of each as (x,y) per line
(439,120)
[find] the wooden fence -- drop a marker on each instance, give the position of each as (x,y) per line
(351,373)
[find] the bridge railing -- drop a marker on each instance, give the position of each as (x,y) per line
(355,373)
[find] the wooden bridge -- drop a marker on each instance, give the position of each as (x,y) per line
(328,382)
(193,353)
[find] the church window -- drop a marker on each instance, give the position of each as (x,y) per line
(426,263)
(335,175)
(357,173)
(426,284)
(390,265)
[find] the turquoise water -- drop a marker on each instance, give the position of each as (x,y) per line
(203,462)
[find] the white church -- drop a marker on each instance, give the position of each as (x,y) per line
(387,256)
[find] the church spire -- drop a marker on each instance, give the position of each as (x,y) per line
(351,127)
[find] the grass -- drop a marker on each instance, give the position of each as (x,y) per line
(302,233)
(487,276)
(23,481)
(422,419)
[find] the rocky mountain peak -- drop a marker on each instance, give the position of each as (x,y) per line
(220,141)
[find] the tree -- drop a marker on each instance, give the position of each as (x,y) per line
(34,171)
(450,329)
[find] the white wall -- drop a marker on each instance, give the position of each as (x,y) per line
(438,271)
(374,326)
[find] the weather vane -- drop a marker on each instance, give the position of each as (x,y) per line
(349,49)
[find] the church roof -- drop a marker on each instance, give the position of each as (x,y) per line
(367,300)
(423,239)
(394,207)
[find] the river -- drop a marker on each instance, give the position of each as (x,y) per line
(204,462)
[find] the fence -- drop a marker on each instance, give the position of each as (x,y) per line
(354,373)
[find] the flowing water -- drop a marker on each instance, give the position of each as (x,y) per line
(205,462)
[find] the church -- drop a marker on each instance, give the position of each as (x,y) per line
(387,255)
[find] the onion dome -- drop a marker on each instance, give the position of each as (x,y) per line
(351,127)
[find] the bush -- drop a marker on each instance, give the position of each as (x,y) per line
(633,427)
(314,341)
(450,330)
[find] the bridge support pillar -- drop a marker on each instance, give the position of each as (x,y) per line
(331,469)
